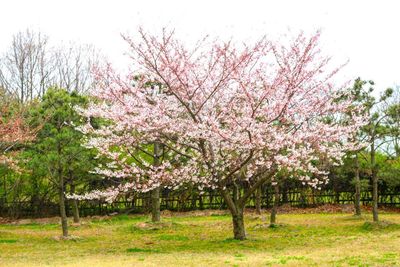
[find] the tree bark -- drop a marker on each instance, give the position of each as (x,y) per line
(375,199)
(75,207)
(285,198)
(35,199)
(61,189)
(63,215)
(357,185)
(374,177)
(258,200)
(237,213)
(155,205)
(274,209)
(237,201)
(75,211)
(239,232)
(155,194)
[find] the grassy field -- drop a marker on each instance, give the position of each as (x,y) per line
(192,240)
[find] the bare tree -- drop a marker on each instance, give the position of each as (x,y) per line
(73,64)
(24,68)
(31,65)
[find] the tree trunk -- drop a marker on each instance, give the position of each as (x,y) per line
(35,199)
(75,211)
(375,198)
(75,207)
(357,184)
(274,210)
(64,222)
(285,198)
(155,194)
(61,189)
(238,225)
(374,177)
(258,200)
(236,210)
(155,205)
(237,201)
(201,204)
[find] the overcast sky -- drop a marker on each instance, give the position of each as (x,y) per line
(367,33)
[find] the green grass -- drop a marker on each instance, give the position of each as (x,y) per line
(9,241)
(297,240)
(141,250)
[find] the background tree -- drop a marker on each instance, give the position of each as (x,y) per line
(25,67)
(374,132)
(73,67)
(31,65)
(392,120)
(13,126)
(57,152)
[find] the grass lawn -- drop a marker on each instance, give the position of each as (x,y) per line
(191,240)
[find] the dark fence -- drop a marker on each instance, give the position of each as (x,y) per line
(187,202)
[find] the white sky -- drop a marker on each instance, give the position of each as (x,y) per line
(365,32)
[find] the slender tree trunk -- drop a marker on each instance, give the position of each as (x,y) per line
(35,205)
(375,198)
(274,210)
(336,189)
(64,222)
(374,177)
(285,198)
(201,204)
(75,207)
(258,200)
(155,205)
(357,184)
(155,194)
(75,211)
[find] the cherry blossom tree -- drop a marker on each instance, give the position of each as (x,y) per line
(13,127)
(14,131)
(229,117)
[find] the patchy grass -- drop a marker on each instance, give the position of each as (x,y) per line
(141,250)
(9,241)
(381,225)
(192,240)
